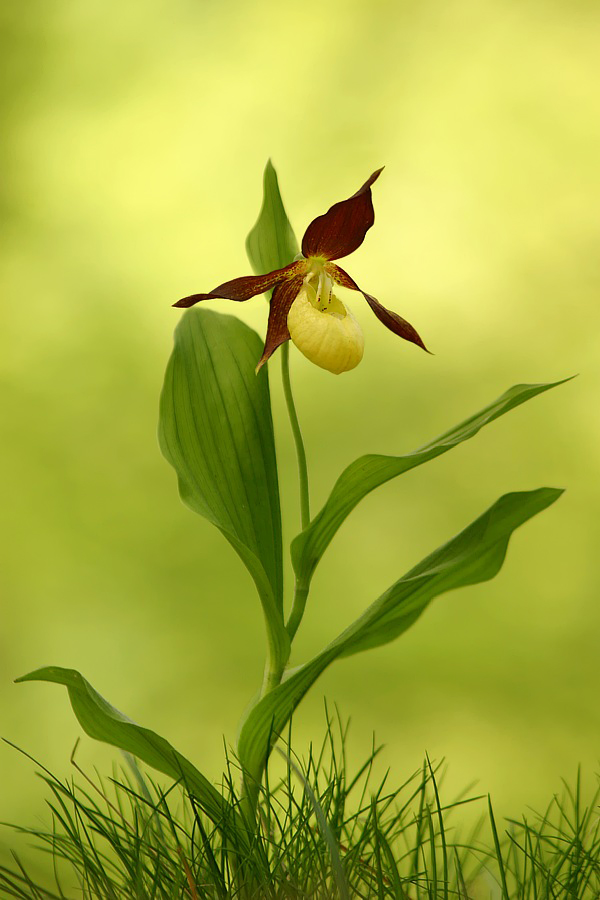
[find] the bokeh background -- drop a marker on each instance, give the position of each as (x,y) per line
(135,135)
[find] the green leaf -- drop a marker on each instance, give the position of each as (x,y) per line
(216,431)
(473,556)
(271,244)
(369,472)
(103,722)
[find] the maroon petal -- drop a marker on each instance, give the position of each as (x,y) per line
(277,329)
(388,318)
(343,228)
(246,287)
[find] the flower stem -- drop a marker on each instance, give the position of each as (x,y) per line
(300,452)
(297,611)
(300,592)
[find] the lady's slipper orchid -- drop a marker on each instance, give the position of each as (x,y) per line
(303,306)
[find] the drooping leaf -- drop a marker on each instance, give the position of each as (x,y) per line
(216,430)
(371,471)
(271,244)
(103,722)
(473,556)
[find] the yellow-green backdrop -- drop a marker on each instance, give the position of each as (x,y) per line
(135,135)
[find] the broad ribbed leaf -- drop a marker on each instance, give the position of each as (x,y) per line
(271,244)
(369,472)
(216,431)
(103,722)
(474,555)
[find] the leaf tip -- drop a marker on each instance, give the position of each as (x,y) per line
(551,384)
(45,673)
(30,676)
(557,492)
(270,172)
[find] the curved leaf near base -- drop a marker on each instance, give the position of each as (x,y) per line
(103,722)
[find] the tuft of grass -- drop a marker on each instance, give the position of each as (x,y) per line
(323,831)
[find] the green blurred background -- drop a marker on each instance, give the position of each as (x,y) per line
(135,135)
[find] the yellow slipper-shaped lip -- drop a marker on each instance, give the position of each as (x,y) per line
(330,338)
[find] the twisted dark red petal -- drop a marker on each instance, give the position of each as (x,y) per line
(277,329)
(246,287)
(343,227)
(388,318)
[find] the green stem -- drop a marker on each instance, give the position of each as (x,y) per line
(300,592)
(297,611)
(271,678)
(300,452)
(274,672)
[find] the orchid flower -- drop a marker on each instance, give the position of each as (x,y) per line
(303,306)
